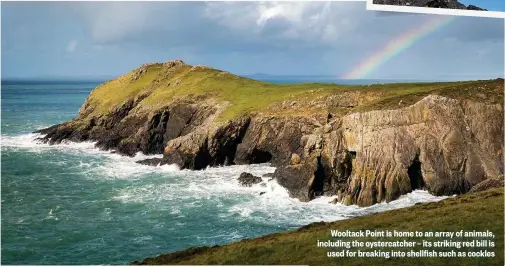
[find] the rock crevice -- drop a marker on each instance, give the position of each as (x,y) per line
(441,144)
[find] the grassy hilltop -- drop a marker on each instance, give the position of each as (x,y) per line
(479,211)
(193,115)
(165,82)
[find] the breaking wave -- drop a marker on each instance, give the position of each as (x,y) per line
(178,192)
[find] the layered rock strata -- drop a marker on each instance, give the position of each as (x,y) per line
(440,144)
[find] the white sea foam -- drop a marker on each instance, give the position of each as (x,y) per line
(165,187)
(191,189)
(30,142)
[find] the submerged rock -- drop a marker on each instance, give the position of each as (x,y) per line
(247,179)
(334,201)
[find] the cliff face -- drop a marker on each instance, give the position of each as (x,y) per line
(440,144)
(364,144)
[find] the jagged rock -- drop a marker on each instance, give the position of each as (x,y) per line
(423,146)
(207,145)
(247,179)
(348,200)
(151,161)
(372,156)
(487,184)
(295,159)
(273,139)
(305,181)
(299,180)
(339,196)
(472,7)
(441,144)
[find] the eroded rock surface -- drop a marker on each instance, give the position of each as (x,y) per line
(247,179)
(488,184)
(438,143)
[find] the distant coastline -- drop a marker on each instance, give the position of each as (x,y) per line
(272,78)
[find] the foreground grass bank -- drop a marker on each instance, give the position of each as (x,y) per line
(480,211)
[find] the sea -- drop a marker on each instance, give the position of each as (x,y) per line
(74,204)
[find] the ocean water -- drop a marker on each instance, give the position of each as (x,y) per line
(74,204)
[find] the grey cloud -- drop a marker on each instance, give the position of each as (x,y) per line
(270,25)
(294,37)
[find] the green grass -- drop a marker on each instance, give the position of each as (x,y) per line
(480,211)
(246,95)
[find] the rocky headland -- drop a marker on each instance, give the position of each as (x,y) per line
(365,144)
(452,4)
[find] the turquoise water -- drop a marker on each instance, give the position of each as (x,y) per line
(74,204)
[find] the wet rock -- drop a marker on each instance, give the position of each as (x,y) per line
(295,159)
(268,175)
(348,200)
(151,161)
(262,193)
(207,145)
(339,196)
(298,179)
(247,179)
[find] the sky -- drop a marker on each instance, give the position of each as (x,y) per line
(107,39)
(492,5)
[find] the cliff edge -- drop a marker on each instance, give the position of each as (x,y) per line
(366,144)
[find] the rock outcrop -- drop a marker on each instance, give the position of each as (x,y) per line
(360,145)
(488,184)
(247,179)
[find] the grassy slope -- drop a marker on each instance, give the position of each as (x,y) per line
(480,211)
(246,95)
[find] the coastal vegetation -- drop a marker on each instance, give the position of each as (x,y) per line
(363,143)
(165,82)
(482,211)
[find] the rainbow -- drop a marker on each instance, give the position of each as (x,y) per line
(396,46)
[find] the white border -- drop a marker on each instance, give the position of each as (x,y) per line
(439,11)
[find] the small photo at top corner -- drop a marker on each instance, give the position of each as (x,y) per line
(476,8)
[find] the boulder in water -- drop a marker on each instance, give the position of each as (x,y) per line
(247,179)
